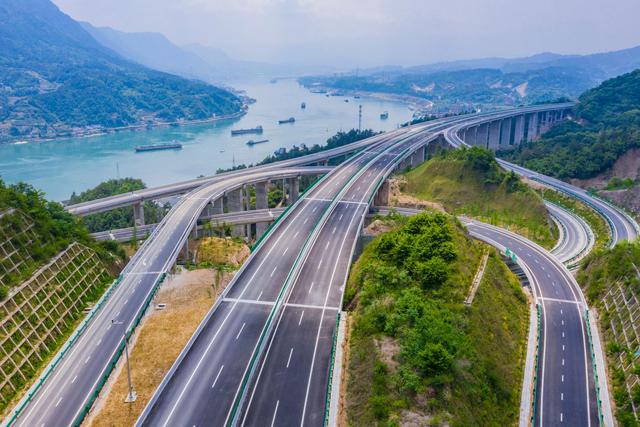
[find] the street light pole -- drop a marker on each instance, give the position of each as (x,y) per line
(132,396)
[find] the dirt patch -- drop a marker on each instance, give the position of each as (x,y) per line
(414,419)
(376,228)
(629,199)
(388,349)
(533,184)
(399,199)
(627,166)
(163,333)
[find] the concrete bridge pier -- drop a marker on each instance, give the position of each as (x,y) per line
(417,157)
(494,135)
(262,202)
(482,136)
(293,190)
(382,197)
(533,132)
(138,214)
(470,135)
(235,204)
(505,133)
(518,134)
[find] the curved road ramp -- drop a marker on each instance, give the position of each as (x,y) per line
(262,355)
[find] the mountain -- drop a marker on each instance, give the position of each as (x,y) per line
(606,126)
(489,82)
(194,60)
(56,80)
(152,50)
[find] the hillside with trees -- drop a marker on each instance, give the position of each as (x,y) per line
(121,217)
(417,355)
(607,125)
(56,80)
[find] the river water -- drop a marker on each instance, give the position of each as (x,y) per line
(60,167)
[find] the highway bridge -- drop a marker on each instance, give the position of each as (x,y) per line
(283,301)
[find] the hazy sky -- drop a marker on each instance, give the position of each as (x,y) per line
(375,32)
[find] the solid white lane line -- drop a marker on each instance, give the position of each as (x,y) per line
(217,376)
(240,331)
(289,359)
(275,412)
(301,316)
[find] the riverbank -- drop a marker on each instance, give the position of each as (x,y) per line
(93,131)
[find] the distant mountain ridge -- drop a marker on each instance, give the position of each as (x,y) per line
(488,82)
(57,80)
(194,60)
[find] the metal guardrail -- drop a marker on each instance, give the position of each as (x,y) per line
(114,360)
(327,397)
(535,375)
(593,363)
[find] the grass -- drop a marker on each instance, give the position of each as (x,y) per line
(160,339)
(598,225)
(463,190)
(601,271)
(482,384)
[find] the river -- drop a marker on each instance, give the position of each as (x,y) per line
(62,166)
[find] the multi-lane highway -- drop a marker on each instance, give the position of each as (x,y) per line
(267,289)
(68,391)
(566,389)
(238,349)
(576,237)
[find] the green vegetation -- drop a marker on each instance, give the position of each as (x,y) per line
(607,125)
(116,218)
(416,352)
(606,275)
(56,80)
(592,218)
(55,229)
(338,140)
(617,183)
(470,182)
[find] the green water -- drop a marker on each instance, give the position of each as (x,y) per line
(60,167)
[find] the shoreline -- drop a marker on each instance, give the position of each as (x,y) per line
(137,127)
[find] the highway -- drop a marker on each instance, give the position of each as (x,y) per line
(576,237)
(216,370)
(64,395)
(566,389)
(256,296)
(622,226)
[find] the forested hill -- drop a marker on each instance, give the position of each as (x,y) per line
(56,80)
(607,125)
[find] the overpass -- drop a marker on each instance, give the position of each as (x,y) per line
(251,309)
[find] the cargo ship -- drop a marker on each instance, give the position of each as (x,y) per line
(252,142)
(289,120)
(257,129)
(156,147)
(384,116)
